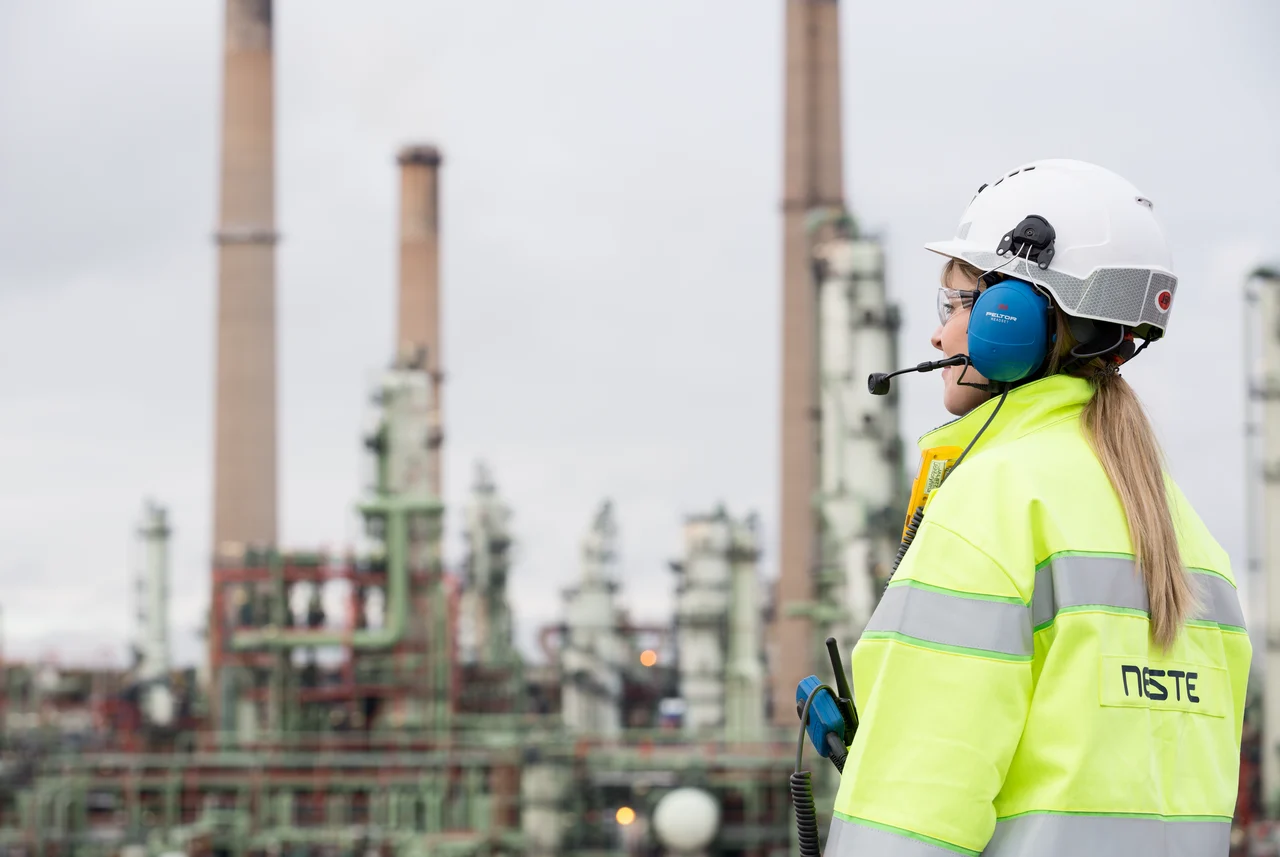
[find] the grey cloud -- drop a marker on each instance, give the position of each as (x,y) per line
(611,257)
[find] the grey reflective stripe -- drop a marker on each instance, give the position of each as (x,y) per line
(1219,601)
(1053,835)
(850,839)
(1077,581)
(1066,582)
(1074,580)
(954,620)
(1046,835)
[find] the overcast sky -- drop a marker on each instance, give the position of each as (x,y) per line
(611,253)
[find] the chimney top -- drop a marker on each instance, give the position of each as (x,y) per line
(428,156)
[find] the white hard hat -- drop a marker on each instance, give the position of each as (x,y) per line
(1082,233)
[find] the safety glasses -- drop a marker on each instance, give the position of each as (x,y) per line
(951,301)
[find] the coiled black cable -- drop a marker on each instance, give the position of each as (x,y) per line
(907,537)
(806,815)
(802,787)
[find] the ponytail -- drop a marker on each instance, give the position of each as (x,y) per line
(1117,428)
(1121,435)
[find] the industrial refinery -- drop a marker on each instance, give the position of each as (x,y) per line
(409,722)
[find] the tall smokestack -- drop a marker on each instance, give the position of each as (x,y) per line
(245,435)
(418,331)
(814,177)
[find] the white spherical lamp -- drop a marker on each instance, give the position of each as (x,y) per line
(686,820)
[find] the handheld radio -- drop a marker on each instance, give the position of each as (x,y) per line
(830,720)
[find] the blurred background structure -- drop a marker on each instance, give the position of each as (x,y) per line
(385,698)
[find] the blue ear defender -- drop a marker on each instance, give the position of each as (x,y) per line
(1009,331)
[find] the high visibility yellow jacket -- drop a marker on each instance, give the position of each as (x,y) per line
(1011,699)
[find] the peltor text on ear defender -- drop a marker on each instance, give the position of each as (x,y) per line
(1009,331)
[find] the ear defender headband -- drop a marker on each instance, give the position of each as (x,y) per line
(1009,331)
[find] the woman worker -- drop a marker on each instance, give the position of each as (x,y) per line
(1058,664)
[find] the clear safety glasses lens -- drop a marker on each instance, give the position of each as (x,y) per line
(951,301)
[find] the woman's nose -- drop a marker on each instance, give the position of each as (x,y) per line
(936,339)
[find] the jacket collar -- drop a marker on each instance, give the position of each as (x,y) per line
(1028,408)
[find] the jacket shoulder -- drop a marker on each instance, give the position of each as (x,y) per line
(1046,492)
(1199,548)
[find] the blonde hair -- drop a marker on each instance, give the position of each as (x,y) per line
(1120,434)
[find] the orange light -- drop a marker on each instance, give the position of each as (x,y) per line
(625,815)
(648,657)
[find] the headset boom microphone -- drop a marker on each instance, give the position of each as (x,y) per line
(878,382)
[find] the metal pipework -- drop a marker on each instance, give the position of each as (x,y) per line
(396,512)
(401,495)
